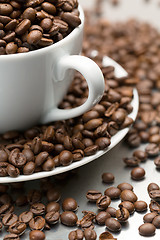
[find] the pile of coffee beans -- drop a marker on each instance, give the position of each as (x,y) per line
(27,25)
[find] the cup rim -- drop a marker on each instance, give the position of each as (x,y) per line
(51,47)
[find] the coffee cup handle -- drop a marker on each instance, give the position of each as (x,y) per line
(94,77)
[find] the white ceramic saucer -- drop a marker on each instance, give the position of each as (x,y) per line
(119,72)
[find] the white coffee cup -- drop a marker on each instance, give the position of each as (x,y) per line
(34,83)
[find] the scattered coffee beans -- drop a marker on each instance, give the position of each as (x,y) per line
(128,195)
(113,225)
(68,218)
(113,192)
(148,218)
(36,235)
(140,206)
(69,204)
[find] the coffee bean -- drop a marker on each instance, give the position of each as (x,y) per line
(141,155)
(21,200)
(66,158)
(128,195)
(128,205)
(33,196)
(103,202)
(106,236)
(68,218)
(122,214)
(52,217)
(154,207)
(17,228)
(17,158)
(137,173)
(29,168)
(11,236)
(93,195)
(140,206)
(78,154)
(101,217)
(25,217)
(53,195)
(23,26)
(108,177)
(90,234)
(76,235)
(49,8)
(147,229)
(37,208)
(5,9)
(28,154)
(37,223)
(157,162)
(113,192)
(9,219)
(148,218)
(131,162)
(152,150)
(6,208)
(125,186)
(91,150)
(90,115)
(155,195)
(36,235)
(3,156)
(113,225)
(12,171)
(152,186)
(69,204)
(156,221)
(52,206)
(111,211)
(3,169)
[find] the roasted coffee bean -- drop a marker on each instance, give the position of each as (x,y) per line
(3,156)
(131,162)
(71,19)
(53,206)
(69,204)
(106,236)
(76,235)
(148,218)
(156,221)
(125,186)
(140,206)
(37,223)
(147,229)
(37,208)
(23,26)
(36,234)
(155,195)
(17,228)
(141,155)
(6,208)
(29,168)
(153,186)
(29,155)
(21,200)
(134,140)
(11,236)
(52,217)
(113,225)
(102,142)
(66,158)
(93,195)
(68,218)
(108,177)
(25,217)
(53,195)
(128,195)
(103,202)
(111,211)
(41,158)
(154,207)
(128,205)
(87,220)
(157,162)
(33,196)
(101,217)
(9,219)
(3,169)
(152,150)
(113,192)
(78,154)
(90,115)
(90,234)
(12,171)
(17,158)
(90,150)
(122,214)
(137,173)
